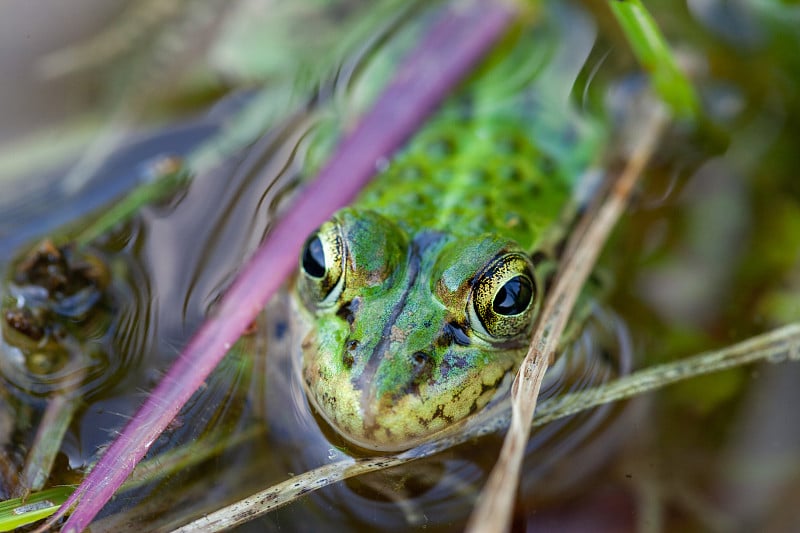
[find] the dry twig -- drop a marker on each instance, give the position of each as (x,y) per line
(493,512)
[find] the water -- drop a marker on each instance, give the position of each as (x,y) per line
(707,255)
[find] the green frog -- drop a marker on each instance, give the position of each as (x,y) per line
(422,295)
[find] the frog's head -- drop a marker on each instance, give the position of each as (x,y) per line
(411,333)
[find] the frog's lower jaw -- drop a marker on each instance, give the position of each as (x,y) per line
(387,425)
(388,428)
(378,417)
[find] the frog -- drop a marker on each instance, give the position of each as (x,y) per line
(420,298)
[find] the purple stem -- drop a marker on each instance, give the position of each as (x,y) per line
(449,50)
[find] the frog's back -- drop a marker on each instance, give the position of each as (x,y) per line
(503,157)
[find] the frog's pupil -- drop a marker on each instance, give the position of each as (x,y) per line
(314,258)
(513,297)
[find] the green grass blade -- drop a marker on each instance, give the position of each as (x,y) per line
(655,56)
(25,511)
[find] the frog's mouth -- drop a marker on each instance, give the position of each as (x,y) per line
(384,426)
(393,421)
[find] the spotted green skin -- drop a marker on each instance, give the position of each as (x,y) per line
(481,181)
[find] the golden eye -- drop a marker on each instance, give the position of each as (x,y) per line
(503,298)
(322,266)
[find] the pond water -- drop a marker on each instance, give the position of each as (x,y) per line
(707,254)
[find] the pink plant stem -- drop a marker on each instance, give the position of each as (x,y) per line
(452,46)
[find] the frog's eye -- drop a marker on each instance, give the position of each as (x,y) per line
(322,266)
(503,298)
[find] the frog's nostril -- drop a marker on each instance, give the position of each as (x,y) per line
(419,373)
(453,333)
(421,368)
(347,357)
(347,311)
